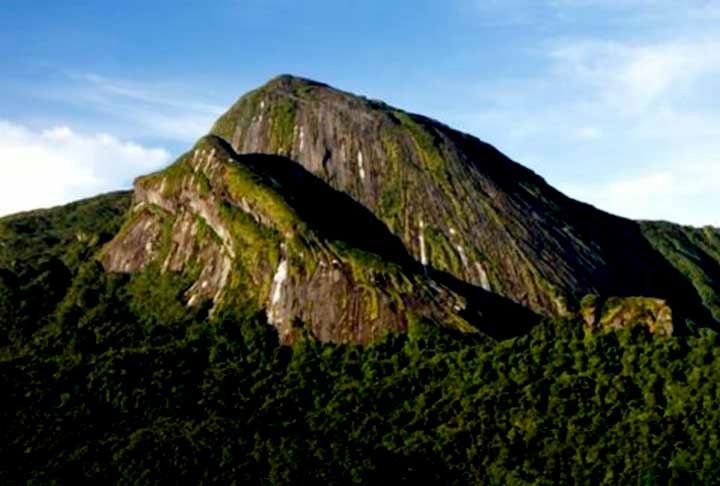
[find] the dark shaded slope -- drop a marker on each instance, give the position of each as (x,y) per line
(260,229)
(332,214)
(695,252)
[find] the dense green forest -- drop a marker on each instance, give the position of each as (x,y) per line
(121,383)
(111,377)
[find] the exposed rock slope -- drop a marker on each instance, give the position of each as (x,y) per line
(619,312)
(458,205)
(261,228)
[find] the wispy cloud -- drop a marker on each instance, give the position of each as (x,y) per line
(654,97)
(162,94)
(589,133)
(677,7)
(157,110)
(632,126)
(56,165)
(654,9)
(632,78)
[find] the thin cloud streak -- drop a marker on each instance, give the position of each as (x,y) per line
(148,93)
(145,110)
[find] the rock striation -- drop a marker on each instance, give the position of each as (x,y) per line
(458,205)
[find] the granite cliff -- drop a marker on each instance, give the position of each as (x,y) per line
(460,207)
(261,228)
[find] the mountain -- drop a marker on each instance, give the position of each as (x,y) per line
(446,316)
(461,207)
(695,252)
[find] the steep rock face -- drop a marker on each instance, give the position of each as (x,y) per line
(459,205)
(620,312)
(262,229)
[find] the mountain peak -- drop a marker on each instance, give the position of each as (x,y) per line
(459,206)
(290,81)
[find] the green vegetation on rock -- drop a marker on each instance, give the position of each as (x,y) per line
(536,246)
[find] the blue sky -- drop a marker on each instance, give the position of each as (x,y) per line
(612,101)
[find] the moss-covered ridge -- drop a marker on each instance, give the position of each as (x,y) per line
(459,206)
(260,229)
(695,252)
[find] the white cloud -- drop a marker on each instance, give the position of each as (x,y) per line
(608,3)
(611,13)
(57,165)
(654,96)
(688,193)
(158,94)
(589,133)
(677,8)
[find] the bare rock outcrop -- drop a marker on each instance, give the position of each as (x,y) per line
(622,312)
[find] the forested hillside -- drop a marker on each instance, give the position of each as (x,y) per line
(126,398)
(40,253)
(693,251)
